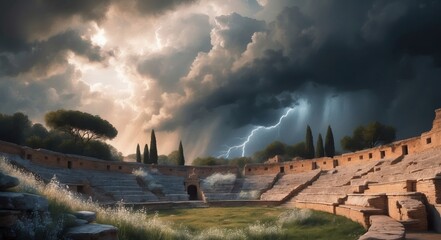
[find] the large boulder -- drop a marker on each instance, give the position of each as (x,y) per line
(23,202)
(93,232)
(7,182)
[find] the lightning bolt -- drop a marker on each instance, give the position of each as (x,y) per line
(226,154)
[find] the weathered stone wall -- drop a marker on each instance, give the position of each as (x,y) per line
(356,216)
(10,148)
(330,208)
(55,159)
(431,188)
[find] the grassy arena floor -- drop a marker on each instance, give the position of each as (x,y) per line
(318,226)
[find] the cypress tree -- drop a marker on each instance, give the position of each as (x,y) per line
(329,143)
(153,149)
(138,154)
(309,144)
(181,159)
(145,155)
(319,151)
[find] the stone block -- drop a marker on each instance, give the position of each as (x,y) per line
(22,201)
(93,232)
(86,215)
(7,181)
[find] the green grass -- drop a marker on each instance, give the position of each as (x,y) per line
(327,226)
(319,225)
(198,219)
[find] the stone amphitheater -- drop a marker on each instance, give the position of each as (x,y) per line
(391,190)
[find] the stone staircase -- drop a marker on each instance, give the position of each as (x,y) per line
(121,187)
(253,186)
(289,184)
(173,187)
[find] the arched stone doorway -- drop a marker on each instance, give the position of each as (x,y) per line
(192,191)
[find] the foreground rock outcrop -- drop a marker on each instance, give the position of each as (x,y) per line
(17,209)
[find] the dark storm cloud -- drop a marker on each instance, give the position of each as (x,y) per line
(236,31)
(159,6)
(377,46)
(23,21)
(37,97)
(43,55)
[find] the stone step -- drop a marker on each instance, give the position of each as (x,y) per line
(126,192)
(93,231)
(136,198)
(177,197)
(120,188)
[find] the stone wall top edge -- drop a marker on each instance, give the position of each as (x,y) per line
(366,194)
(392,182)
(404,194)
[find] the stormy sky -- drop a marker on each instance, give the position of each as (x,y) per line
(208,72)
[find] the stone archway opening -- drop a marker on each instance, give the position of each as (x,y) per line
(192,191)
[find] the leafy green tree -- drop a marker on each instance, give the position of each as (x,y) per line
(145,155)
(271,150)
(80,125)
(206,161)
(371,135)
(169,160)
(329,143)
(138,154)
(14,128)
(309,144)
(239,162)
(296,150)
(153,149)
(319,151)
(181,158)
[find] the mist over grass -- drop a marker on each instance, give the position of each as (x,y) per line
(218,179)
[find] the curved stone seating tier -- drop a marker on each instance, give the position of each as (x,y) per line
(105,187)
(171,188)
(327,198)
(323,190)
(342,175)
(258,182)
(220,196)
(420,165)
(396,186)
(289,184)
